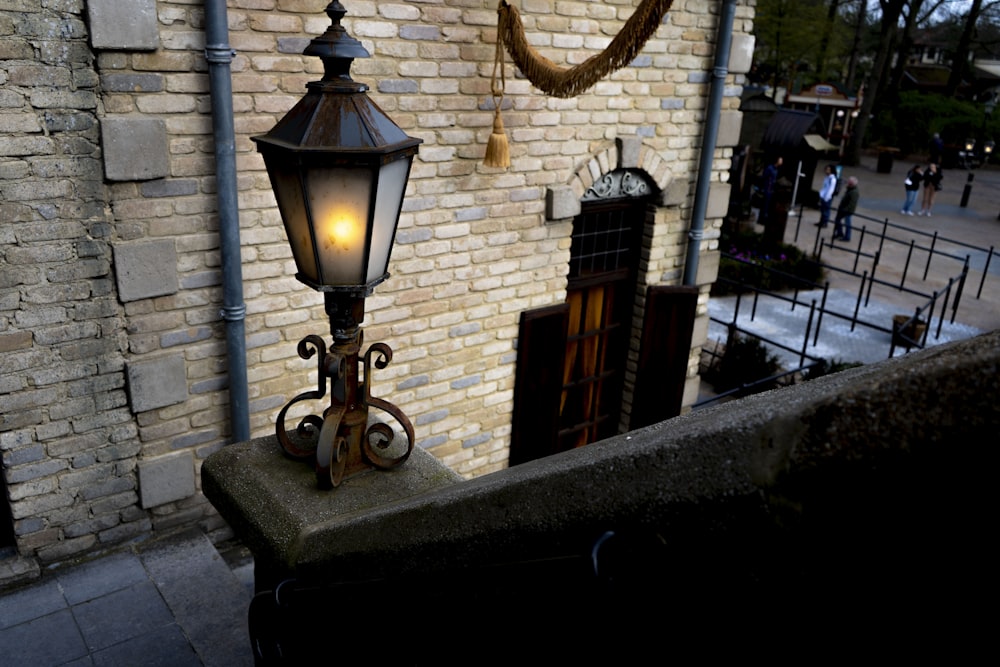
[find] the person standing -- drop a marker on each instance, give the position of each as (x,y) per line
(826,196)
(848,204)
(770,181)
(914,179)
(932,184)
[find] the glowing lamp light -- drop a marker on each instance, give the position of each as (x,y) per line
(341,222)
(338,167)
(343,234)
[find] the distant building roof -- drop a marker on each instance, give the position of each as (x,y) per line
(987,69)
(758,102)
(820,95)
(927,75)
(788,128)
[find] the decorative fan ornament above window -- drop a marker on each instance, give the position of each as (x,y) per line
(557,81)
(620,184)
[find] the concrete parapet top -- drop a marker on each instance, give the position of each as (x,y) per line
(274,504)
(879,456)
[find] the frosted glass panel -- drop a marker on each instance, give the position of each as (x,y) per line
(288,192)
(339,199)
(391,187)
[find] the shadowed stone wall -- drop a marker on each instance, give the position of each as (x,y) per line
(68,438)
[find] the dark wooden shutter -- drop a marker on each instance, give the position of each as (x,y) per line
(663,354)
(541,351)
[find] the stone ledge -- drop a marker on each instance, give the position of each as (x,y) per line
(276,509)
(16,570)
(876,460)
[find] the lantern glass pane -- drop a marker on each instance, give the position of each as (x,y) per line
(340,200)
(288,192)
(391,187)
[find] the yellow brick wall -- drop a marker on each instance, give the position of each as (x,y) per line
(474,249)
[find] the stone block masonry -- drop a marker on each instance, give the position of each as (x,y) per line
(145,269)
(157,383)
(135,149)
(109,236)
(66,442)
(117,25)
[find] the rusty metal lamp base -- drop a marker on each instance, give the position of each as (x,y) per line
(341,442)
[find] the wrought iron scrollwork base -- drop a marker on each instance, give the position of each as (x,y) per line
(342,442)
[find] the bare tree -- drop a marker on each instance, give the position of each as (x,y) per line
(960,61)
(912,17)
(859,25)
(824,44)
(891,11)
(786,36)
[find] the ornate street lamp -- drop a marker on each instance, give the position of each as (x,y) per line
(338,167)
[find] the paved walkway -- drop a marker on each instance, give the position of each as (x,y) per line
(842,337)
(173,602)
(955,226)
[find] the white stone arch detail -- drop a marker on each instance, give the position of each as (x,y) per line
(564,202)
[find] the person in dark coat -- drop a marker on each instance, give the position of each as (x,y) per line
(914,179)
(848,204)
(770,181)
(932,183)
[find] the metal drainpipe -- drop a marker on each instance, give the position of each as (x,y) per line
(219,54)
(723,46)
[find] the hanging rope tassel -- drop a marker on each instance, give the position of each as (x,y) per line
(557,81)
(497,148)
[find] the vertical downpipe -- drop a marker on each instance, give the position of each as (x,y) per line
(723,45)
(219,55)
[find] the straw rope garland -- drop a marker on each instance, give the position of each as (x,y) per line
(553,79)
